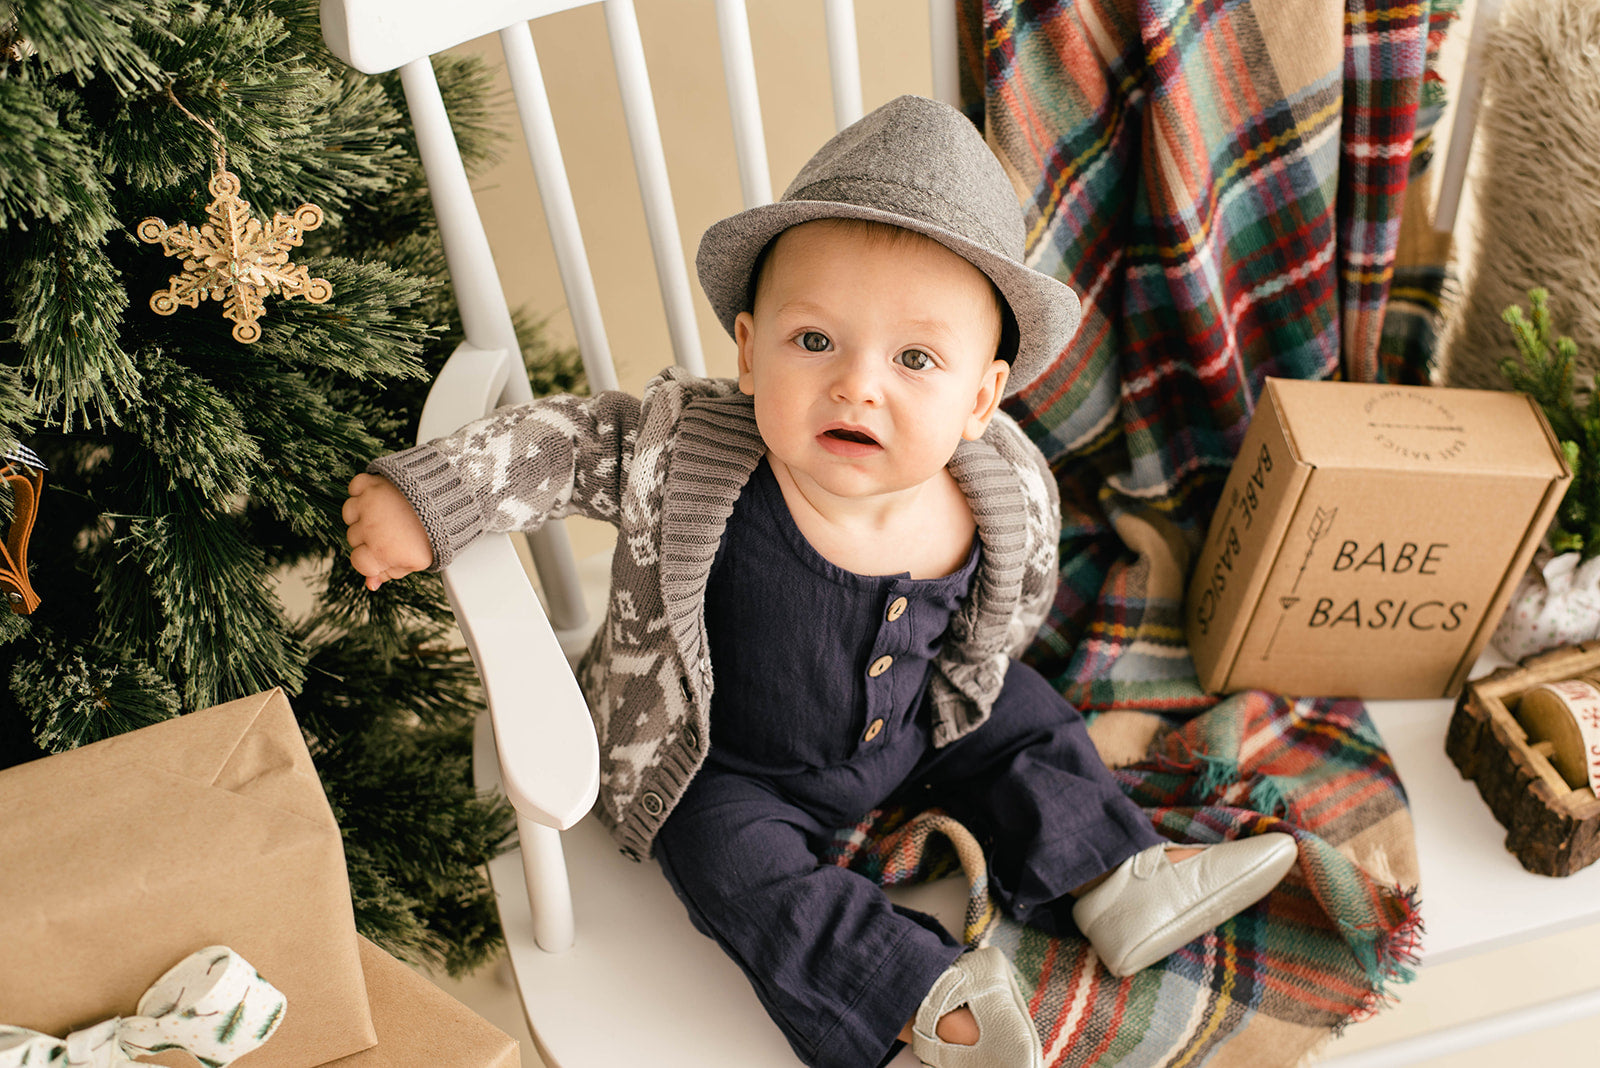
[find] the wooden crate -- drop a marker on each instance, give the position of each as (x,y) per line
(1550,827)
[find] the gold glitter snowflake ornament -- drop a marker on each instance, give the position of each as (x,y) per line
(234,259)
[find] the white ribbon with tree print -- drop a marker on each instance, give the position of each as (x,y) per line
(212,1004)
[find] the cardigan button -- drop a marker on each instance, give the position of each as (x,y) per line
(683,687)
(652,802)
(630,854)
(880,665)
(873,731)
(897,608)
(691,736)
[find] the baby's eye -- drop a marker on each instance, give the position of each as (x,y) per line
(915,359)
(814,341)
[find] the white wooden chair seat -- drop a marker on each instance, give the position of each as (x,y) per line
(640,980)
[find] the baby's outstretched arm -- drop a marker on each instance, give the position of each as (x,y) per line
(387,540)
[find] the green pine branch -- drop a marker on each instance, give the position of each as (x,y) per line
(87,40)
(81,694)
(402,829)
(1544,369)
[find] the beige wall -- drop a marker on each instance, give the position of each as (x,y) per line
(680,40)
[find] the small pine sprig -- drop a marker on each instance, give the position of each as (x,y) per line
(1544,371)
(78,695)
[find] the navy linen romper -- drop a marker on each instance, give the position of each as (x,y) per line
(818,716)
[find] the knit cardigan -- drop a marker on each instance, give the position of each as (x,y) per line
(666,469)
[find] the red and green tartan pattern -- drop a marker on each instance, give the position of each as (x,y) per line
(1222,187)
(1273,982)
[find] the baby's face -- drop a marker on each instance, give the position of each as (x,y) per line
(869,358)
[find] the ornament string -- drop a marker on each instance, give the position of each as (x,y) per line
(217,143)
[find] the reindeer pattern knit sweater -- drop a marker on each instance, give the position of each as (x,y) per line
(666,469)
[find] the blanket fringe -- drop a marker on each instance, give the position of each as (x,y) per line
(1216,772)
(1392,961)
(1270,796)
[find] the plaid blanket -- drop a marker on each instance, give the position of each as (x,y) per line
(1224,184)
(1270,985)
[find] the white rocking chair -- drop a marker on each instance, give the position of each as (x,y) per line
(638,982)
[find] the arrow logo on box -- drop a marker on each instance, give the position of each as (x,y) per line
(1321,523)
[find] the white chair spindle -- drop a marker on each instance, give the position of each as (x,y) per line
(557,566)
(946,51)
(650,164)
(744,102)
(561,216)
(544,870)
(844,61)
(485,318)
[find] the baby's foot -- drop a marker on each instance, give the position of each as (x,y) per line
(975,1017)
(1153,902)
(958,1026)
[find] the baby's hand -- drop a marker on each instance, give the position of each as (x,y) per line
(386,538)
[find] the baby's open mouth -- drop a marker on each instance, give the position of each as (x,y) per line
(841,434)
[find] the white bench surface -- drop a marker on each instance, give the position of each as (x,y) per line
(1476,896)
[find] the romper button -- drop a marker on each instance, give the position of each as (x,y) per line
(897,608)
(880,665)
(873,731)
(652,802)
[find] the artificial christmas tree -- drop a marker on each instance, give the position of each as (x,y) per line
(186,468)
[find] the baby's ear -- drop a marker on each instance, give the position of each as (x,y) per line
(991,387)
(744,337)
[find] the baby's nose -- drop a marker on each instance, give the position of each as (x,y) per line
(859,379)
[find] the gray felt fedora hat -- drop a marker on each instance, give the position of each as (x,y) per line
(920,165)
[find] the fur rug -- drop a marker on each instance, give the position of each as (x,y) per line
(1537,180)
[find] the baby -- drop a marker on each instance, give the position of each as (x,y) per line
(824,573)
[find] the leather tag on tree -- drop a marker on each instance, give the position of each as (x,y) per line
(24,473)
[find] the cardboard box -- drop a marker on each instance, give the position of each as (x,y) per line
(122,857)
(420,1026)
(1369,537)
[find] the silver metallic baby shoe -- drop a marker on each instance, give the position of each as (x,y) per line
(984,982)
(1148,906)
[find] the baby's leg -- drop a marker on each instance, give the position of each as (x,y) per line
(1070,853)
(836,964)
(1030,784)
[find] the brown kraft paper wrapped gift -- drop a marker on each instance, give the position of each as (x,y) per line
(420,1026)
(122,857)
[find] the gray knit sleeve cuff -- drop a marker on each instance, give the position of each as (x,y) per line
(442,500)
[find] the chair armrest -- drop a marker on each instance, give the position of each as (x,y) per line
(549,758)
(469,387)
